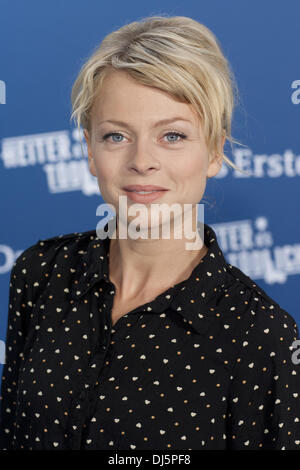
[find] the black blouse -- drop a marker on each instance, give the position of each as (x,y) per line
(205,365)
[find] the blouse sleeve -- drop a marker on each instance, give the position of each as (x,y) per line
(19,312)
(264,396)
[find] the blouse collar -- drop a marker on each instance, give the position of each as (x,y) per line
(195,298)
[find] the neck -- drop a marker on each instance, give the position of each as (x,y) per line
(142,265)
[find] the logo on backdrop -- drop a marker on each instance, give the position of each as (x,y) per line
(2,352)
(295,96)
(263,165)
(65,165)
(59,154)
(7,258)
(249,246)
(2,92)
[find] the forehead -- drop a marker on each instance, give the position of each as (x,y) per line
(121,95)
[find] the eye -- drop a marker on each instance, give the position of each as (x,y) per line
(176,134)
(172,141)
(106,136)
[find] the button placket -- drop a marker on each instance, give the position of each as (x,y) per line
(81,399)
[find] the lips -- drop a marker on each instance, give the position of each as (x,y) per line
(138,187)
(146,197)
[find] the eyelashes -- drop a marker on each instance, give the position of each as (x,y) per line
(177,134)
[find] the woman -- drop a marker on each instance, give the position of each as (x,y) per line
(140,343)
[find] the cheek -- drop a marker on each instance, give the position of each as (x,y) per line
(103,166)
(193,168)
(192,178)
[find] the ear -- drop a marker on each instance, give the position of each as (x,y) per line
(215,162)
(91,162)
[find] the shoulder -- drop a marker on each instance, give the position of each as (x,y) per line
(256,320)
(37,258)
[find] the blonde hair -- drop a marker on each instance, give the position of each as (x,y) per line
(176,54)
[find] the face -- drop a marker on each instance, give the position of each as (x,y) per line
(140,150)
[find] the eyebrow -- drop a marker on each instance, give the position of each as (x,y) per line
(158,123)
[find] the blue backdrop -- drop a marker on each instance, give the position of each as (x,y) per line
(45,184)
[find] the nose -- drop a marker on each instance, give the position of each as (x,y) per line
(141,157)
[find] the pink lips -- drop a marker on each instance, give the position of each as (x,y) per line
(148,187)
(144,198)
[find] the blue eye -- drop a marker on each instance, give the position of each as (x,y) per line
(106,136)
(176,134)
